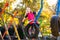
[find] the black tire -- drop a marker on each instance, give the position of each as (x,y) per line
(55,25)
(35,35)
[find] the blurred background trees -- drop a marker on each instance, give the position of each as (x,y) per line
(21,5)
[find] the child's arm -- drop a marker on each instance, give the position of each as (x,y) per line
(24,18)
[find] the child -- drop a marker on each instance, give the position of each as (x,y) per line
(31,27)
(29,15)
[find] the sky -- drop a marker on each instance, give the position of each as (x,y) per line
(14,5)
(50,2)
(1,0)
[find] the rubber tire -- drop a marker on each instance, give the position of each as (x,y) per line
(36,31)
(55,25)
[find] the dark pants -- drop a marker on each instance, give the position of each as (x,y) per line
(33,26)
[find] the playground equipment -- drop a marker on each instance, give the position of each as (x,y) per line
(55,21)
(6,33)
(14,26)
(2,11)
(7,26)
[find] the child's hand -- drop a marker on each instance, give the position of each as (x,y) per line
(23,20)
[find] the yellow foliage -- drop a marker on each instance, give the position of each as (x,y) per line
(20,13)
(26,22)
(31,0)
(10,8)
(49,31)
(41,29)
(5,17)
(0,18)
(12,0)
(10,18)
(46,12)
(16,21)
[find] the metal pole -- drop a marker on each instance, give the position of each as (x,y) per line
(39,11)
(58,7)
